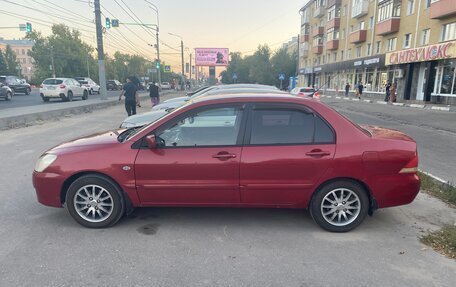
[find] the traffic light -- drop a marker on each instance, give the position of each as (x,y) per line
(108,23)
(157,64)
(28,27)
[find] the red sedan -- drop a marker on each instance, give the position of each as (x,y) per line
(277,151)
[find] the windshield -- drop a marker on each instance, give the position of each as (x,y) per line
(52,82)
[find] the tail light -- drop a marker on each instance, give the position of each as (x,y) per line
(316,95)
(301,94)
(411,166)
(62,86)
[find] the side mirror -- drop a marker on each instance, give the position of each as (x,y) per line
(151,141)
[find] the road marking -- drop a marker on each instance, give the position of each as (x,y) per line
(417,106)
(345,98)
(367,101)
(356,100)
(329,97)
(381,102)
(338,98)
(398,104)
(446,109)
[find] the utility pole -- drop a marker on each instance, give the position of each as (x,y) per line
(182,55)
(190,66)
(88,68)
(52,62)
(158,58)
(101,64)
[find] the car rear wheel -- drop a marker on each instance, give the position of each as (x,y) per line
(69,96)
(85,95)
(95,201)
(9,96)
(28,91)
(339,206)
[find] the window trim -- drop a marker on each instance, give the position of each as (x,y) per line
(248,126)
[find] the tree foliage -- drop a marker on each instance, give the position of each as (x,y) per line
(8,62)
(263,67)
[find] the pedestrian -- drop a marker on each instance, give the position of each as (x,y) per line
(130,92)
(360,90)
(387,91)
(154,94)
(393,90)
(337,90)
(347,89)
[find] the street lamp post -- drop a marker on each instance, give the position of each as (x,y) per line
(182,55)
(155,8)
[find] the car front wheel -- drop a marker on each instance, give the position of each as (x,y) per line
(85,95)
(95,201)
(339,206)
(28,91)
(9,96)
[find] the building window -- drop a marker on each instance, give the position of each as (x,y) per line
(335,57)
(425,36)
(371,22)
(342,34)
(449,31)
(389,9)
(391,45)
(410,7)
(361,25)
(23,52)
(407,40)
(378,47)
(358,52)
(344,10)
(317,41)
(333,12)
(332,34)
(445,80)
(369,49)
(427,3)
(342,55)
(349,54)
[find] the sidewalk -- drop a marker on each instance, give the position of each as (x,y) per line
(31,115)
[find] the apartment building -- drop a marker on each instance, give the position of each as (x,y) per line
(411,43)
(21,49)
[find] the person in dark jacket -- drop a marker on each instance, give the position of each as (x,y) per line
(387,91)
(347,89)
(154,94)
(130,92)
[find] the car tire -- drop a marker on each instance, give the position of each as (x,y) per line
(95,201)
(90,92)
(45,99)
(339,206)
(28,91)
(85,95)
(69,97)
(9,96)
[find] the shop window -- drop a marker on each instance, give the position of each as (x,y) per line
(449,31)
(446,78)
(407,40)
(425,34)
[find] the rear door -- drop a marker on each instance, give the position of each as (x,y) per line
(288,148)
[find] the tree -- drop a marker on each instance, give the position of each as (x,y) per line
(3,67)
(260,66)
(11,62)
(283,62)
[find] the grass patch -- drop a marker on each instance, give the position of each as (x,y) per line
(444,240)
(443,191)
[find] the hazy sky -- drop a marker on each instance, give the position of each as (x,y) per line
(240,25)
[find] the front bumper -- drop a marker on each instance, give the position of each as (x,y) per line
(48,187)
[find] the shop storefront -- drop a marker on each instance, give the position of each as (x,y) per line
(426,73)
(305,77)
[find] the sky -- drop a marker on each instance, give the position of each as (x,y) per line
(240,25)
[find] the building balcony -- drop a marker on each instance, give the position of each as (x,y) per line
(333,23)
(332,45)
(361,9)
(304,50)
(319,12)
(442,9)
(388,26)
(331,3)
(318,32)
(304,38)
(317,49)
(357,37)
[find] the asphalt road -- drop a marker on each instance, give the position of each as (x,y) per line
(42,246)
(434,131)
(21,100)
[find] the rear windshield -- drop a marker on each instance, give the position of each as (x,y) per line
(307,90)
(52,82)
(83,82)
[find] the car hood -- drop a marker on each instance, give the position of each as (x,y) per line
(178,99)
(88,142)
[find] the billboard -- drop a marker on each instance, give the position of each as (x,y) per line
(211,56)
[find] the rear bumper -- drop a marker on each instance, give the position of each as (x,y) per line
(395,190)
(48,187)
(52,93)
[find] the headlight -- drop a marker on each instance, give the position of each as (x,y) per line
(45,161)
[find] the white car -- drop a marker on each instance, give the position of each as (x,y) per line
(303,92)
(90,84)
(165,86)
(63,88)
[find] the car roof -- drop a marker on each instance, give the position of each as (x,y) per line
(250,97)
(243,90)
(235,86)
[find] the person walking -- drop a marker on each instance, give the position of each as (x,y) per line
(360,90)
(130,92)
(154,94)
(347,89)
(387,91)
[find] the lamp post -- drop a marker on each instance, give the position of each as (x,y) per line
(182,54)
(155,8)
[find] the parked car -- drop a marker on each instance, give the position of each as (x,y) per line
(16,84)
(257,150)
(139,120)
(191,93)
(6,92)
(165,86)
(303,91)
(64,88)
(114,85)
(89,84)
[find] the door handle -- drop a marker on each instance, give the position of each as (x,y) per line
(318,153)
(224,155)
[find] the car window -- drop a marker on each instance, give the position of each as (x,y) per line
(307,90)
(282,126)
(323,132)
(52,82)
(211,127)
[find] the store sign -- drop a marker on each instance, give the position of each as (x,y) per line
(428,53)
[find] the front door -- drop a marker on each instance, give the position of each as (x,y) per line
(197,162)
(421,89)
(287,151)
